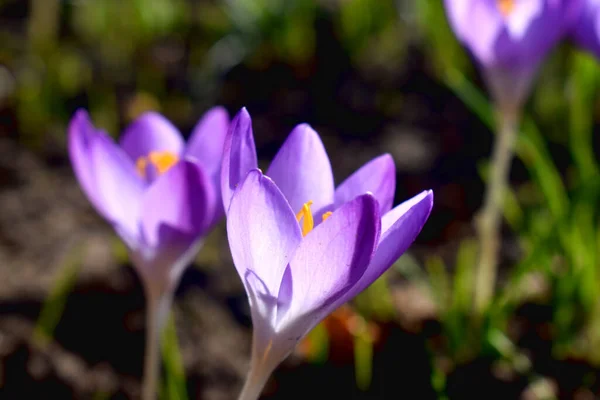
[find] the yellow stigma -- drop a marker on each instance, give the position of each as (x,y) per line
(306,216)
(506,7)
(160,160)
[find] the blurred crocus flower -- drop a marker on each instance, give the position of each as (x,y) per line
(586,31)
(298,265)
(160,195)
(509,38)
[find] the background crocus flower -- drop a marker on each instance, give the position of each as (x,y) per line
(509,38)
(158,194)
(586,31)
(351,238)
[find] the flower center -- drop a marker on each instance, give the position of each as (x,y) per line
(506,7)
(155,164)
(305,215)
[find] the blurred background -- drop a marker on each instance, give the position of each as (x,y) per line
(372,77)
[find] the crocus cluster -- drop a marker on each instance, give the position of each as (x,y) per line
(301,245)
(510,38)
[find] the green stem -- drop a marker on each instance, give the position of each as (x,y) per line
(489,220)
(157,309)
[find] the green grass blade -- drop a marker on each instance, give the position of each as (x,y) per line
(532,150)
(54,305)
(376,301)
(583,82)
(175,383)
(363,357)
(439,282)
(317,342)
(464,277)
(473,98)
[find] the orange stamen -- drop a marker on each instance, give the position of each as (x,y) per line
(506,7)
(307,219)
(140,166)
(161,160)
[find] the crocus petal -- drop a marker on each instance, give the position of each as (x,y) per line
(399,228)
(302,171)
(181,200)
(176,210)
(81,134)
(458,14)
(263,233)
(239,155)
(486,25)
(151,132)
(206,146)
(586,30)
(378,176)
(477,23)
(207,139)
(119,189)
(520,18)
(330,260)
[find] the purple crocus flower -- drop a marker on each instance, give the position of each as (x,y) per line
(299,265)
(160,195)
(586,32)
(509,38)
